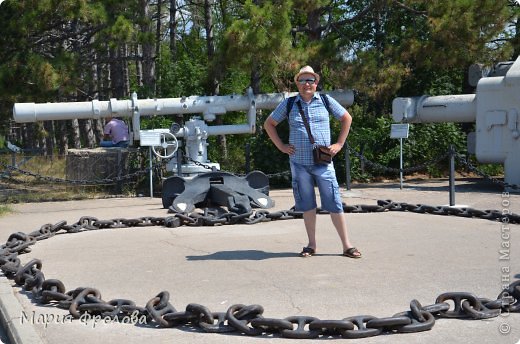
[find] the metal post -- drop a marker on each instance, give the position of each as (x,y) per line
(179,162)
(452,176)
(13,163)
(347,167)
(362,161)
(248,157)
(151,172)
(119,184)
(401,163)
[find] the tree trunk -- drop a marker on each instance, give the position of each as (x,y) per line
(148,49)
(380,10)
(100,75)
(516,39)
(94,92)
(315,31)
(158,35)
(40,143)
(138,66)
(173,29)
(213,84)
(102,91)
(76,137)
(313,22)
(116,74)
(48,126)
(255,77)
(28,132)
(62,137)
(107,79)
(87,132)
(124,69)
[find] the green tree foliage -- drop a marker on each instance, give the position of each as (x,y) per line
(259,38)
(42,47)
(185,75)
(404,44)
(36,62)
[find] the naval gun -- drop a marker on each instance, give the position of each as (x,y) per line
(494,108)
(186,140)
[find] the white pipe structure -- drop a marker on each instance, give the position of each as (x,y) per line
(209,106)
(439,109)
(31,112)
(195,131)
(495,108)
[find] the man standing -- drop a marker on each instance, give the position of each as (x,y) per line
(115,133)
(305,172)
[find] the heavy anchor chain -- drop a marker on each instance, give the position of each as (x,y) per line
(245,319)
(218,216)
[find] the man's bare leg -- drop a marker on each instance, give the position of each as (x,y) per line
(338,219)
(309,219)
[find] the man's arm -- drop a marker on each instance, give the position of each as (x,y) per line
(107,129)
(270,128)
(346,122)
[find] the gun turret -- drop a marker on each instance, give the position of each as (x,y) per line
(494,108)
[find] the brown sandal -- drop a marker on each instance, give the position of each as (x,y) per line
(352,253)
(307,252)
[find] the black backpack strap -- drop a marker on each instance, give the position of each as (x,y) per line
(325,101)
(290,103)
(305,122)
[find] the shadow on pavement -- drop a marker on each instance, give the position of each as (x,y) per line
(243,255)
(250,255)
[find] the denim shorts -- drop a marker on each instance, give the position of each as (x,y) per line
(305,177)
(109,144)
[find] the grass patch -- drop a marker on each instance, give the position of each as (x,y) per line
(44,178)
(4,210)
(34,192)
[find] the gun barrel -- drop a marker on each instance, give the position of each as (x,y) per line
(214,105)
(438,109)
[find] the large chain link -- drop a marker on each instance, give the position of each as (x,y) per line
(462,159)
(198,163)
(210,217)
(279,174)
(246,319)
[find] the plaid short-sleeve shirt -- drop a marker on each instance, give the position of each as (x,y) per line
(318,118)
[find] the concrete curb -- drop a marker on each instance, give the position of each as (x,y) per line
(10,317)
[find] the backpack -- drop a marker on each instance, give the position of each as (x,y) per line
(290,103)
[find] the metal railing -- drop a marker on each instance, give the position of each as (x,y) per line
(8,170)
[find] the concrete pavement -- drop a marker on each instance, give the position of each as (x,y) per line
(405,256)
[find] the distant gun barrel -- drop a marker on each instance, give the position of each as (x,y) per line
(32,112)
(438,109)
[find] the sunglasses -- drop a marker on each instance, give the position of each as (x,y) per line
(304,81)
